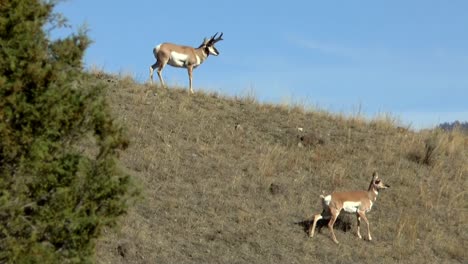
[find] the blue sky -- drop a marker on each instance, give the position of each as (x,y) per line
(405,58)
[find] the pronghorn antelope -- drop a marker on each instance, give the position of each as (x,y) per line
(357,202)
(183,56)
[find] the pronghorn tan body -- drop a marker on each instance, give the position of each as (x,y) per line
(357,202)
(183,57)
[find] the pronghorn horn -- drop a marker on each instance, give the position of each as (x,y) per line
(212,39)
(217,39)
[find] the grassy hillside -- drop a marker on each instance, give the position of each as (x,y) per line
(224,181)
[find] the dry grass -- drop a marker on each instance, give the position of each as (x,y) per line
(224,181)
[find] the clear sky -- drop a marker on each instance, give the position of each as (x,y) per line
(405,58)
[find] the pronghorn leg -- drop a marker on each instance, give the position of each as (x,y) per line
(324,215)
(160,76)
(312,228)
(152,67)
(363,216)
(334,215)
(358,226)
(190,70)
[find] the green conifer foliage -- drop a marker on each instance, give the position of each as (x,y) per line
(55,195)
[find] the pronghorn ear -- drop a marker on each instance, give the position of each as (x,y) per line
(375,175)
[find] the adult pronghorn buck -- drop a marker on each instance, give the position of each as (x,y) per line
(183,56)
(357,202)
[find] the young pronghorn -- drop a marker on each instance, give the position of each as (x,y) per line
(183,56)
(357,202)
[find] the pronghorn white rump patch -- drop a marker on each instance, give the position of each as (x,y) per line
(178,59)
(351,207)
(327,200)
(158,47)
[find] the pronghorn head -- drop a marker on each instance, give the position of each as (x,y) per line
(208,45)
(377,183)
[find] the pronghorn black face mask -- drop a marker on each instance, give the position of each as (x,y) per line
(211,50)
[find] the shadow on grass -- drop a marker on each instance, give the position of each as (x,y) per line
(341,223)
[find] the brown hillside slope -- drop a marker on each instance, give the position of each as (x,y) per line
(214,192)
